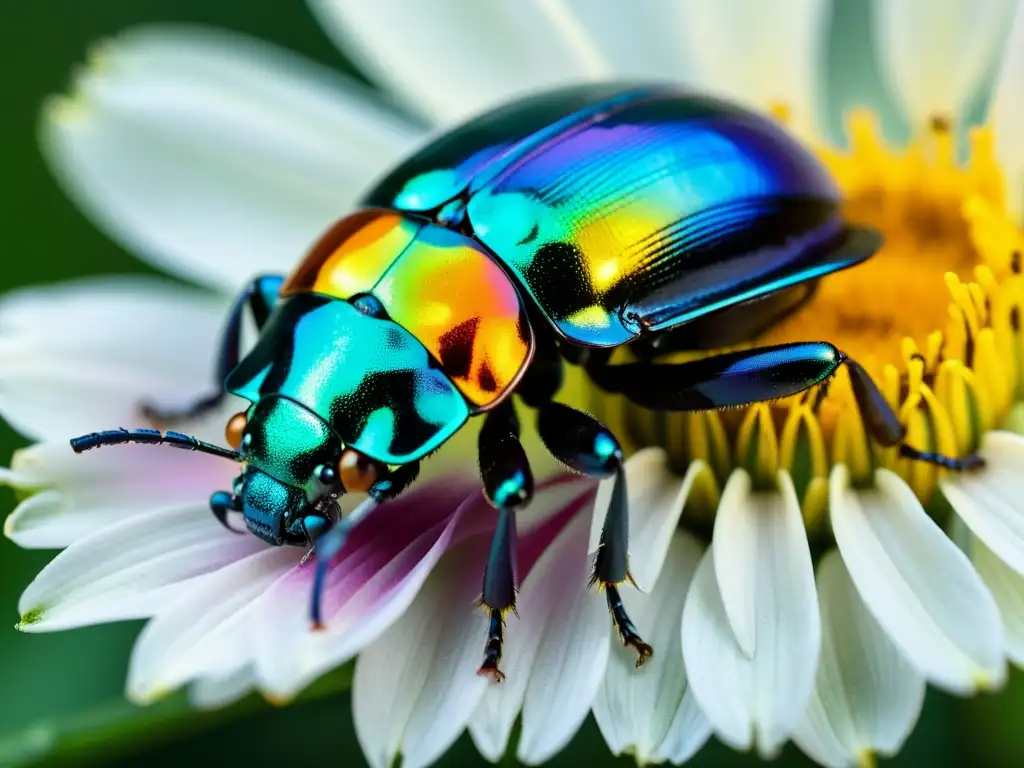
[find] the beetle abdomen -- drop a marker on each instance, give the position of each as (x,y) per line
(676,202)
(646,209)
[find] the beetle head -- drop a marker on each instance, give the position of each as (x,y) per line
(296,469)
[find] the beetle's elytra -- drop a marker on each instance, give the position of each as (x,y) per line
(552,229)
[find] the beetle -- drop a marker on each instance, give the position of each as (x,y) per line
(554,229)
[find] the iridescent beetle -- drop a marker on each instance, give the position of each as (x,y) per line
(554,229)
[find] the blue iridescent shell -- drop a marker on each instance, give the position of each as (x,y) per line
(626,210)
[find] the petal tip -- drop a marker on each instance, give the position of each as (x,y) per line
(144,696)
(63,109)
(9,526)
(29,619)
(277,699)
(989,680)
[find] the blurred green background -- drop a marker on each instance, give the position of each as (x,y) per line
(60,694)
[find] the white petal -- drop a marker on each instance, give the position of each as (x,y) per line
(636,708)
(1007,115)
(84,493)
(214,155)
(416,688)
(451,59)
(991,500)
(917,583)
(1007,588)
(80,357)
(221,691)
(759,58)
(866,697)
(614,28)
(934,54)
(205,632)
(744,551)
(760,696)
(130,570)
(656,501)
(554,656)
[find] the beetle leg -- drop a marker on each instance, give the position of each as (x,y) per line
(587,446)
(328,541)
(259,296)
(222,502)
(508,485)
(884,425)
(719,381)
(760,374)
(327,547)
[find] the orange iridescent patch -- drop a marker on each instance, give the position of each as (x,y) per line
(462,307)
(353,254)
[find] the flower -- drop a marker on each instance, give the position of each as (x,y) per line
(800,583)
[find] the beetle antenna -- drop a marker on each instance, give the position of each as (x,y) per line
(150,437)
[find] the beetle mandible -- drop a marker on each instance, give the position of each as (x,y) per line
(553,229)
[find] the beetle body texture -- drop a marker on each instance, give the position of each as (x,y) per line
(553,229)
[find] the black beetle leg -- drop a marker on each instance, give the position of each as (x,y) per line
(719,381)
(327,547)
(508,485)
(259,296)
(884,425)
(587,446)
(222,502)
(331,541)
(760,374)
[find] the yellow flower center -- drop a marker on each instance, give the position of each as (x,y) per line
(934,317)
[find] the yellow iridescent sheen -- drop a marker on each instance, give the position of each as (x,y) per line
(463,308)
(352,256)
(439,285)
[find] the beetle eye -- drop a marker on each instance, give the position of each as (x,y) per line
(235,429)
(328,476)
(358,473)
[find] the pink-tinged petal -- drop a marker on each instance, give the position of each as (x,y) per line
(656,500)
(650,712)
(77,495)
(207,630)
(381,570)
(378,574)
(131,569)
(416,687)
(81,357)
(214,155)
(544,602)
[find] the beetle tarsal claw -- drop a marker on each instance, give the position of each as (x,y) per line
(643,650)
(491,671)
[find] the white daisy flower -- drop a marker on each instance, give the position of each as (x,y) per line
(798,583)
